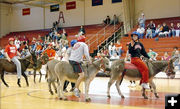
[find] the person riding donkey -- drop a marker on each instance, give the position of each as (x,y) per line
(137,50)
(11,53)
(78,51)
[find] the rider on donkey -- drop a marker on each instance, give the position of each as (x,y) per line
(11,53)
(137,50)
(78,51)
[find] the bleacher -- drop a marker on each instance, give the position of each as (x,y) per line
(160,46)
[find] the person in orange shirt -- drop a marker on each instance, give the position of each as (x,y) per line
(50,52)
(11,53)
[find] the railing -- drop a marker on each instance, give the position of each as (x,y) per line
(107,30)
(114,37)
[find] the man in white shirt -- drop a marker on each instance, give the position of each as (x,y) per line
(78,51)
(140,32)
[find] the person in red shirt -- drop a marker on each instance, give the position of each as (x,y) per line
(11,53)
(50,52)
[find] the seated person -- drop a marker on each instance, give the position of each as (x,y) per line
(157,31)
(107,20)
(140,32)
(152,54)
(165,31)
(172,30)
(177,30)
(115,20)
(148,33)
(152,26)
(114,56)
(165,57)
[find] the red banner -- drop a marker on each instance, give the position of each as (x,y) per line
(26,11)
(70,5)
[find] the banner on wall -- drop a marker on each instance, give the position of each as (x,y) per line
(70,5)
(115,1)
(97,2)
(54,8)
(26,11)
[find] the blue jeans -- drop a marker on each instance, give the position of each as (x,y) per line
(142,25)
(18,66)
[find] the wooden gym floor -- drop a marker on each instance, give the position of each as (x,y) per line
(36,96)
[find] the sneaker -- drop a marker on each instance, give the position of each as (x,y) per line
(76,92)
(145,85)
(65,90)
(133,85)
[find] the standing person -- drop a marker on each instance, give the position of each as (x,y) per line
(78,51)
(11,53)
(137,50)
(82,30)
(142,20)
(17,42)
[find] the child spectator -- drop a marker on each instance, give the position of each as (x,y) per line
(152,54)
(140,32)
(148,33)
(165,57)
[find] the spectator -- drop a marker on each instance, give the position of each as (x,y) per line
(165,57)
(98,56)
(152,26)
(107,20)
(157,31)
(140,32)
(177,61)
(1,53)
(177,30)
(64,35)
(152,54)
(114,56)
(165,31)
(142,20)
(110,48)
(128,56)
(115,20)
(17,42)
(82,30)
(148,33)
(172,30)
(175,50)
(118,48)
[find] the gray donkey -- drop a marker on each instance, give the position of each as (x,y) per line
(64,71)
(119,70)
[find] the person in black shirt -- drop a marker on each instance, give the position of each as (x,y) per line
(137,50)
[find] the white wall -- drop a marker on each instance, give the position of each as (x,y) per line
(5,21)
(158,8)
(73,17)
(28,22)
(96,14)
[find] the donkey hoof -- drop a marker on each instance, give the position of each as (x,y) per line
(55,91)
(145,97)
(65,99)
(88,99)
(156,95)
(19,85)
(60,98)
(51,92)
(109,96)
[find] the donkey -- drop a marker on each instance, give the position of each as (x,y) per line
(7,66)
(120,69)
(64,71)
(51,75)
(41,61)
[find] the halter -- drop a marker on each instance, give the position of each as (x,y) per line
(101,65)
